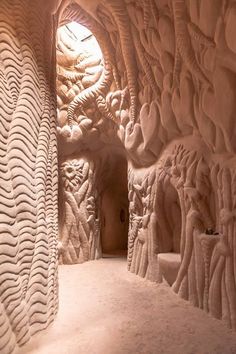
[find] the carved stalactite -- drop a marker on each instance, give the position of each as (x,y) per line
(119,11)
(183,42)
(145,64)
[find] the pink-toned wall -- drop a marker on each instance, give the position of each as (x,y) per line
(167,94)
(28,172)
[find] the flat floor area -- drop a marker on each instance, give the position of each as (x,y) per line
(106,310)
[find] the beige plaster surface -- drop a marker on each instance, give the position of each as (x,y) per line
(106,310)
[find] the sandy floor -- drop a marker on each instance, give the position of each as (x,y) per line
(106,310)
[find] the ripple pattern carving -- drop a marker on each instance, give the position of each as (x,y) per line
(28,174)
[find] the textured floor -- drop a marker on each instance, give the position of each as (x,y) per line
(106,310)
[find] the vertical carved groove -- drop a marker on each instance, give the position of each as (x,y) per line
(145,64)
(183,41)
(119,12)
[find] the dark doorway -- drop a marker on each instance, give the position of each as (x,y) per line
(114,211)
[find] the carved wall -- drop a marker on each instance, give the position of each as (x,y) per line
(165,99)
(28,172)
(80,222)
(169,85)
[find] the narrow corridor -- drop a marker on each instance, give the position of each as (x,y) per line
(106,310)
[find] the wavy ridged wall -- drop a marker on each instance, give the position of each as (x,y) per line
(28,172)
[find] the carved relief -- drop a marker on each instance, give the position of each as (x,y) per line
(172,81)
(167,78)
(79,234)
(140,242)
(28,173)
(85,120)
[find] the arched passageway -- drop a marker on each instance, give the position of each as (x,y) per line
(93,193)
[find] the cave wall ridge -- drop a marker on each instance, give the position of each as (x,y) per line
(28,172)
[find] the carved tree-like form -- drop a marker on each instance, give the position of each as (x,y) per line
(79,235)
